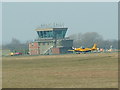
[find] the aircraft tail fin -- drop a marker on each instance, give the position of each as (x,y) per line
(94,46)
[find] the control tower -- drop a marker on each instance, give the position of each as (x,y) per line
(51,40)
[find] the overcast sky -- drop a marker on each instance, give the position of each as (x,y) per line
(21,19)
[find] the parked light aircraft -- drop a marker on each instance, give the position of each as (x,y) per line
(84,50)
(15,54)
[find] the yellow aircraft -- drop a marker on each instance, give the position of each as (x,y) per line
(84,50)
(12,54)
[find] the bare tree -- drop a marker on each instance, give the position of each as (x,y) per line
(89,38)
(15,44)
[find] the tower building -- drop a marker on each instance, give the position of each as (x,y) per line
(51,40)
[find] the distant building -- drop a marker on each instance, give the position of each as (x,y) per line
(50,41)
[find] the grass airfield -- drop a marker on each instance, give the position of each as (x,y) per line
(92,70)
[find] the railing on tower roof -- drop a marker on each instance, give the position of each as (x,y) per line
(51,25)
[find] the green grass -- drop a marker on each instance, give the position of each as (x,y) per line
(61,71)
